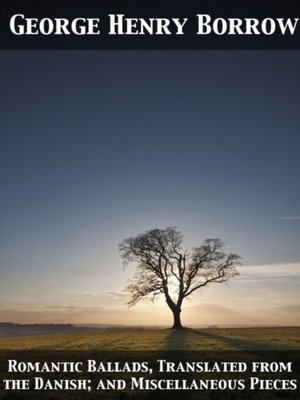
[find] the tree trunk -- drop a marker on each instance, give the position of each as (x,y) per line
(177,320)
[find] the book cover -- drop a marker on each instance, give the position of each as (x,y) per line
(149,200)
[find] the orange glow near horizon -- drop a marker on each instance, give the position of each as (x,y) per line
(260,295)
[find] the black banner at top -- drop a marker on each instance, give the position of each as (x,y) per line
(149,25)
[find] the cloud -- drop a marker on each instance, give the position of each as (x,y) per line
(278,271)
(57,308)
(76,314)
(64,313)
(289,218)
(290,308)
(119,296)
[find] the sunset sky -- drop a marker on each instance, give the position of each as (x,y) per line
(98,146)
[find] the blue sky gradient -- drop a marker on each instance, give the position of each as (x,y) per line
(97,146)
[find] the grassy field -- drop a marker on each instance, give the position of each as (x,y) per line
(187,339)
(213,345)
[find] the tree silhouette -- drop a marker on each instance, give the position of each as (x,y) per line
(164,268)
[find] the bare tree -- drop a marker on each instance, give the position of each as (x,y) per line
(164,268)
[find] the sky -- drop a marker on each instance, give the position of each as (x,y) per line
(97,146)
